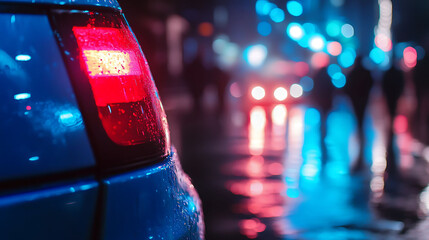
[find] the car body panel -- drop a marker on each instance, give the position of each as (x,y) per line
(38,103)
(91,3)
(157,202)
(43,133)
(59,212)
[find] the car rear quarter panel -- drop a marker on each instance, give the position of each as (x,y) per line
(158,202)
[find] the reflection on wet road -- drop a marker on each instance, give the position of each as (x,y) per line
(265,173)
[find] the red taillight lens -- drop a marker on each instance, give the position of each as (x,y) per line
(114,87)
(113,67)
(121,83)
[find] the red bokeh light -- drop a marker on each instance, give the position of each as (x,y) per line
(205,29)
(320,60)
(410,57)
(335,48)
(383,42)
(400,125)
(301,69)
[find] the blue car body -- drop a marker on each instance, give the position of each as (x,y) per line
(50,183)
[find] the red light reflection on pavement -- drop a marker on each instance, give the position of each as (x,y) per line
(264,193)
(278,131)
(258,121)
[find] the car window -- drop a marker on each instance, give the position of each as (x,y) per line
(42,131)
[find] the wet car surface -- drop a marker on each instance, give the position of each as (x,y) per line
(85,143)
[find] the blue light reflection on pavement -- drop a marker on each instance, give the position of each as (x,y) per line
(313,199)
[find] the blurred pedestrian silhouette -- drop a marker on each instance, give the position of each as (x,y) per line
(393,86)
(358,88)
(220,79)
(323,92)
(196,77)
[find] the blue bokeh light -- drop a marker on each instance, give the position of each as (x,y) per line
(333,69)
(333,28)
(294,8)
(277,15)
(309,28)
(23,57)
(347,30)
(377,55)
(339,80)
(399,49)
(22,96)
(304,41)
(306,83)
(420,52)
(264,7)
(347,58)
(264,28)
(34,158)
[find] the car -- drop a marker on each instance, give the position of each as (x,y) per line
(85,143)
(270,90)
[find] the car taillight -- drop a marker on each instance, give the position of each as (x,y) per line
(120,82)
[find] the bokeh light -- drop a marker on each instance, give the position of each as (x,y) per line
(400,124)
(235,90)
(420,52)
(295,31)
(264,28)
(377,55)
(334,48)
(258,92)
(296,90)
(317,43)
(319,60)
(383,42)
(220,43)
(205,29)
(399,49)
(410,57)
(333,69)
(309,28)
(347,30)
(347,58)
(280,93)
(301,69)
(333,28)
(294,8)
(277,15)
(255,55)
(306,83)
(339,80)
(263,7)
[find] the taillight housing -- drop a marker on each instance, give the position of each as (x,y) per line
(114,86)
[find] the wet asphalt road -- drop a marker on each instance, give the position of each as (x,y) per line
(261,173)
